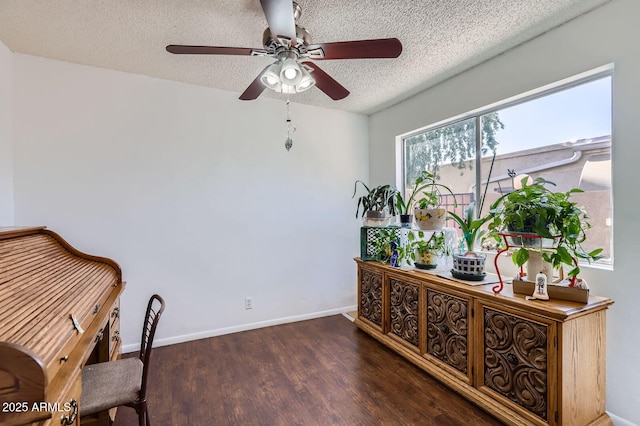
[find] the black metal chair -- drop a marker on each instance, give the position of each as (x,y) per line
(111,384)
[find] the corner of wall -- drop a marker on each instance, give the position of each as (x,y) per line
(6,136)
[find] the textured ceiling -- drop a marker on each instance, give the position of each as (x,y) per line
(440,38)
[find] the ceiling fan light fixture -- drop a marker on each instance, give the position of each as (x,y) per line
(288,77)
(290,73)
(271,77)
(306,81)
(288,89)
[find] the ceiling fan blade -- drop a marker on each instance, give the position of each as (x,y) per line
(326,83)
(360,49)
(279,14)
(255,89)
(207,50)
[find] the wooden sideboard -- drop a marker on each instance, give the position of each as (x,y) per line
(526,362)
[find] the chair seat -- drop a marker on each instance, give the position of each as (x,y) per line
(110,384)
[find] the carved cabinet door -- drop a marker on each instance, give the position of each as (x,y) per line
(404,305)
(370,296)
(517,361)
(448,331)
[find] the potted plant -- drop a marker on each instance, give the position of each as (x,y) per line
(377,205)
(467,261)
(386,245)
(423,252)
(428,213)
(542,223)
(405,208)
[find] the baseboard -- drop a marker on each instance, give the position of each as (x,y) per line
(235,329)
(619,421)
(350,315)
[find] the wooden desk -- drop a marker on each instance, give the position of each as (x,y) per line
(59,309)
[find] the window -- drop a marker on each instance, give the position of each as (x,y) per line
(561,133)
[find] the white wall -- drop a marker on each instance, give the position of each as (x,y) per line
(605,35)
(6,137)
(193,193)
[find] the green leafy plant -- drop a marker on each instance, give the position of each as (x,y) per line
(376,199)
(436,244)
(471,228)
(535,209)
(424,181)
(385,242)
(430,189)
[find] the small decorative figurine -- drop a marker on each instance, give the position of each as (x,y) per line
(540,290)
(393,260)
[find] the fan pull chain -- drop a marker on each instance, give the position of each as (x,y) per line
(290,129)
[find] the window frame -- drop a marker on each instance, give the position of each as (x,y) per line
(549,89)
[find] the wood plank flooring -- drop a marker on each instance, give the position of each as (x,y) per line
(318,372)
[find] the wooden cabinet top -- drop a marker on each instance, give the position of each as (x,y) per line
(558,310)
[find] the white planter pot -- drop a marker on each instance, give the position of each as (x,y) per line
(376,219)
(428,219)
(470,263)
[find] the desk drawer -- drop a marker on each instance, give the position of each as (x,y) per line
(115,311)
(114,339)
(66,410)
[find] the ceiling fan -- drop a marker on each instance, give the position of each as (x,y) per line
(290,45)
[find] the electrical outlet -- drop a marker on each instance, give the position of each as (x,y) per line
(248,303)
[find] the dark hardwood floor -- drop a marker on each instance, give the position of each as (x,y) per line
(318,372)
